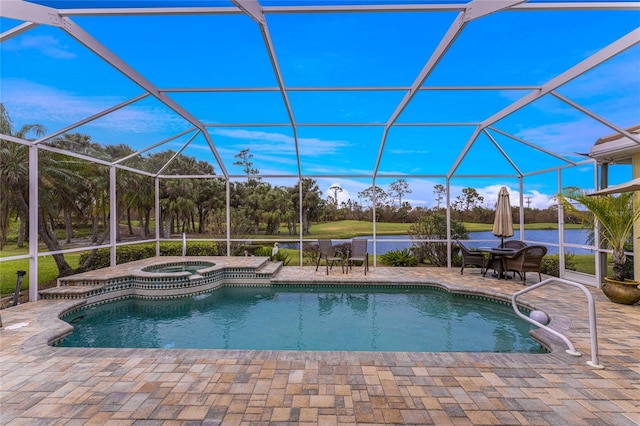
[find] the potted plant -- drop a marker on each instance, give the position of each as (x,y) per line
(615,216)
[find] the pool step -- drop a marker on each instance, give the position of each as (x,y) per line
(64,282)
(71,292)
(269,268)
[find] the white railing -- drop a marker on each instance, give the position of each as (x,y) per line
(592,319)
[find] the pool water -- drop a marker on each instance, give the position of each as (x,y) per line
(307,318)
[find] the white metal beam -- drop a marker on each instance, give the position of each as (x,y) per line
(504,154)
(75,155)
(355,8)
(583,5)
(17,30)
(150,11)
(473,10)
(618,46)
(254,10)
(558,168)
(251,8)
(464,151)
(90,119)
(34,188)
(15,139)
(344,124)
(446,42)
(131,169)
(113,215)
(150,147)
(480,8)
(613,49)
(48,16)
(31,12)
(530,145)
(633,137)
(184,146)
(342,88)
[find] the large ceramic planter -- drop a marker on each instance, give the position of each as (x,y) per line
(625,292)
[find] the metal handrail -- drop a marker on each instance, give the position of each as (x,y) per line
(592,319)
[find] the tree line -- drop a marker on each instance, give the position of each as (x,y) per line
(74,196)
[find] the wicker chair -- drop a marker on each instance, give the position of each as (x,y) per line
(527,259)
(471,258)
(358,254)
(496,263)
(328,253)
(514,244)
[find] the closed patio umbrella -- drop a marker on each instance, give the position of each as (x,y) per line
(503,222)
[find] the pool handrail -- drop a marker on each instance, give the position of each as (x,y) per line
(593,335)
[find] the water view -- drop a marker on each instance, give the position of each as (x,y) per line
(548,238)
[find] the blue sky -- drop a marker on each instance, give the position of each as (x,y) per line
(47,77)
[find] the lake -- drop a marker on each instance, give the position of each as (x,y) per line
(548,238)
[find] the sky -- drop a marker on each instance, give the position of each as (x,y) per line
(50,78)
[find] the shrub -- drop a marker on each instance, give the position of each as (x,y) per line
(130,253)
(550,264)
(280,256)
(310,253)
(402,257)
(434,227)
(195,248)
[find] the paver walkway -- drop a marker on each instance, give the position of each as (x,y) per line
(40,384)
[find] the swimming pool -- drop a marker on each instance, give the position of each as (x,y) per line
(408,319)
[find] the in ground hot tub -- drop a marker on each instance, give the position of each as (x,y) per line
(187,266)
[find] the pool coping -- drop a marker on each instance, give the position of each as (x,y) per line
(45,383)
(554,346)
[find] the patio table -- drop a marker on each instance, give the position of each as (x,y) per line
(496,255)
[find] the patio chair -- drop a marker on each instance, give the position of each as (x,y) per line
(328,253)
(496,262)
(514,244)
(358,254)
(527,259)
(471,258)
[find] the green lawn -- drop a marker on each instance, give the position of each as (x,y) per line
(47,271)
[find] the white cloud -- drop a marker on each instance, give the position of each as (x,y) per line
(279,142)
(565,138)
(343,196)
(533,199)
(29,103)
(46,44)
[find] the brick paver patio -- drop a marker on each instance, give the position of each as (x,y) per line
(41,384)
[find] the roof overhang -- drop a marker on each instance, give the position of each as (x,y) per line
(616,148)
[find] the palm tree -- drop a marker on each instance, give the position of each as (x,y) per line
(615,216)
(14,172)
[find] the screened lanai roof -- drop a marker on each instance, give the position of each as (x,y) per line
(330,88)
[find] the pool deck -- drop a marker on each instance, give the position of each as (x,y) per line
(40,384)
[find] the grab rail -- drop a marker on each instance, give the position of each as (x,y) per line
(592,319)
